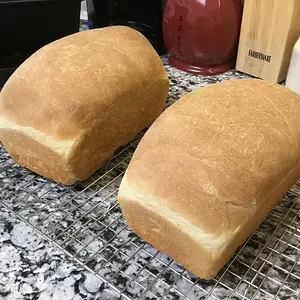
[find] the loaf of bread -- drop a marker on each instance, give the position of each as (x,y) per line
(210,169)
(70,105)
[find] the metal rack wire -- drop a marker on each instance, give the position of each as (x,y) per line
(86,222)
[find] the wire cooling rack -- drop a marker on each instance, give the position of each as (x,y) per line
(86,222)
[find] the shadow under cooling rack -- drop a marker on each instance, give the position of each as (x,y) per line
(86,222)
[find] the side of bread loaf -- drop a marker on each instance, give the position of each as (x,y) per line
(210,169)
(69,106)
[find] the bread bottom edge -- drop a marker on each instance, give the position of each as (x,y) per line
(165,237)
(39,158)
(30,154)
(162,234)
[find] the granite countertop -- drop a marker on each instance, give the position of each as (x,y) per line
(32,268)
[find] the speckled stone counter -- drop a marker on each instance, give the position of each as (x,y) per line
(33,268)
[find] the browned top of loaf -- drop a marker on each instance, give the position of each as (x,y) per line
(220,151)
(74,81)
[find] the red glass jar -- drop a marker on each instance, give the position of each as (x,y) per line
(202,35)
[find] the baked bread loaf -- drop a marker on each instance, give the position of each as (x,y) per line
(210,169)
(70,105)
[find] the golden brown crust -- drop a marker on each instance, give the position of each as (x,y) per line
(35,156)
(218,150)
(105,137)
(157,230)
(79,79)
(97,88)
(210,169)
(164,236)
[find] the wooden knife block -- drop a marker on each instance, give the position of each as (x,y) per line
(269,31)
